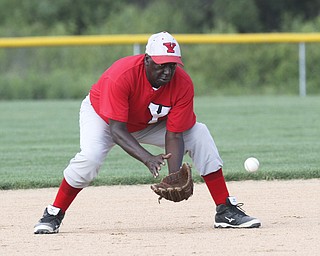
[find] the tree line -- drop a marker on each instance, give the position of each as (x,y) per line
(80,17)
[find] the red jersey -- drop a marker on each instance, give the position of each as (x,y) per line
(123,93)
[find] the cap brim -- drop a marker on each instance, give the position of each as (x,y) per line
(167,59)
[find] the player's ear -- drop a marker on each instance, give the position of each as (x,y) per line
(147,60)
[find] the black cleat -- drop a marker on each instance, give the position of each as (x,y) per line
(50,221)
(231,215)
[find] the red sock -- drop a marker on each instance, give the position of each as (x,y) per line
(217,186)
(66,194)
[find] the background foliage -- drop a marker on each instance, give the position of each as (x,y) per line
(68,72)
(38,137)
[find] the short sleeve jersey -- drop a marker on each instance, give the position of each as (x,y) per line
(123,93)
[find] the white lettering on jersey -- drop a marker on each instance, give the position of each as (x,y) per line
(157,111)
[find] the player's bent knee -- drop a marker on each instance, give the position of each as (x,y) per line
(201,133)
(81,171)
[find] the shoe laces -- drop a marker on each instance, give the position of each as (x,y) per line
(238,208)
(52,218)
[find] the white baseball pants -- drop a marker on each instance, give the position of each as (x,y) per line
(96,142)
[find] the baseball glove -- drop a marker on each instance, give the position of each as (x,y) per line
(176,186)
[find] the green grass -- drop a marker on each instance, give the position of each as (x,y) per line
(38,138)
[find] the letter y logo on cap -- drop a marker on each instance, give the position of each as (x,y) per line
(170,47)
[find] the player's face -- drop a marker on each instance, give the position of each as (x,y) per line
(159,74)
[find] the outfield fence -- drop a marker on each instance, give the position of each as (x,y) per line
(301,39)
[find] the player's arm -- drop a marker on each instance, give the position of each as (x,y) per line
(128,143)
(174,145)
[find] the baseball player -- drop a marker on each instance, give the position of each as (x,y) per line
(145,99)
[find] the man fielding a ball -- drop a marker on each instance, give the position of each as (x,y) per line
(146,98)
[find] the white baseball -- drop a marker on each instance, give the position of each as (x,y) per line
(251,164)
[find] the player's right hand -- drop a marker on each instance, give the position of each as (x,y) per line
(154,163)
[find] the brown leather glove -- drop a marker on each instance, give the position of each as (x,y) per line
(176,186)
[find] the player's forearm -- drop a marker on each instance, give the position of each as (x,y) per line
(127,142)
(130,145)
(175,146)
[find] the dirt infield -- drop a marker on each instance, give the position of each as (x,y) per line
(127,220)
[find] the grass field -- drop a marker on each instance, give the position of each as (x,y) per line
(38,138)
